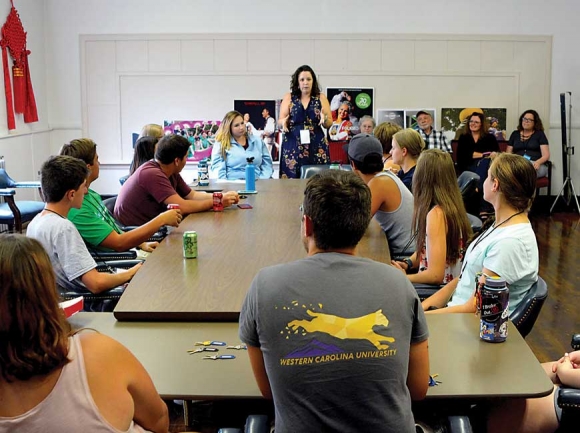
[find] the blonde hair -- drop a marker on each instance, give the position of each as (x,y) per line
(411,140)
(435,184)
(152,130)
(224,133)
(384,133)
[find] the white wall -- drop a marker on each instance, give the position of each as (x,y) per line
(65,20)
(28,145)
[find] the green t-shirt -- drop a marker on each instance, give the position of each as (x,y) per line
(93,220)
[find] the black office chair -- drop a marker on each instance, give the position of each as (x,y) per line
(13,212)
(307,171)
(568,399)
(156,237)
(525,315)
(468,182)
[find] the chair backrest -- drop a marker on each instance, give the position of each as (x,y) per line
(5,180)
(110,203)
(468,182)
(525,315)
(123,179)
(454,144)
(307,171)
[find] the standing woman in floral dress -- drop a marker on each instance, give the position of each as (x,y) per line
(303,113)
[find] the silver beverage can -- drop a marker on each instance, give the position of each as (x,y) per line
(190,244)
(494,295)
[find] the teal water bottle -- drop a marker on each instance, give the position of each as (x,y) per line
(250,175)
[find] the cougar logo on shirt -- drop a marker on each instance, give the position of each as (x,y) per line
(358,328)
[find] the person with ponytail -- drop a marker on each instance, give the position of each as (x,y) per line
(508,248)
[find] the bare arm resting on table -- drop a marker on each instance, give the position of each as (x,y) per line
(418,376)
(468,307)
(135,237)
(198,201)
(259,369)
(98,282)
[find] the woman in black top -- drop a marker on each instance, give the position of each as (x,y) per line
(475,144)
(530,142)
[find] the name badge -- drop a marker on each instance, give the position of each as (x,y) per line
(528,157)
(305,136)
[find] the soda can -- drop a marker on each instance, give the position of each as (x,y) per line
(190,244)
(494,301)
(172,206)
(218,205)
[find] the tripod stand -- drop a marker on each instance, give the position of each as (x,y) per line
(568,186)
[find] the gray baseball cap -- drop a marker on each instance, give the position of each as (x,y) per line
(362,145)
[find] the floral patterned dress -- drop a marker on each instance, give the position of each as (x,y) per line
(294,153)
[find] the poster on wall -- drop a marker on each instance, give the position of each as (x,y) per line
(393,115)
(411,117)
(348,105)
(455,119)
(260,119)
(199,133)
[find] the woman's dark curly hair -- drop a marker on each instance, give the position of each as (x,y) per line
(295,88)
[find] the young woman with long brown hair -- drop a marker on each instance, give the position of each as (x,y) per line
(53,380)
(441,225)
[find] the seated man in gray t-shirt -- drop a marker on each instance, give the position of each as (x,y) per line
(63,181)
(338,341)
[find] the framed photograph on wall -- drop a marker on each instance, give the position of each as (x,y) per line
(411,117)
(199,133)
(393,115)
(348,105)
(455,119)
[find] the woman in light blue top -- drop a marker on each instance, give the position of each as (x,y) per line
(233,146)
(507,249)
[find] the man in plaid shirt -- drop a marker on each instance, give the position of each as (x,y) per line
(433,139)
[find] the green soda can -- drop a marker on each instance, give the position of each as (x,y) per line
(190,245)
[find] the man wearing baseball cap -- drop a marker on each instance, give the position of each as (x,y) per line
(433,139)
(392,202)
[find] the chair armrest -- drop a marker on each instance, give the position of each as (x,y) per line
(100,256)
(29,184)
(257,424)
(162,230)
(122,264)
(459,424)
(575,343)
(426,290)
(158,236)
(5,192)
(108,294)
(569,398)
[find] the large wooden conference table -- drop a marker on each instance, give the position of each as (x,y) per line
(470,370)
(232,247)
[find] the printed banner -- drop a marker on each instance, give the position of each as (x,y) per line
(199,133)
(348,105)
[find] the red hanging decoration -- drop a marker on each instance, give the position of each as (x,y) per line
(14,39)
